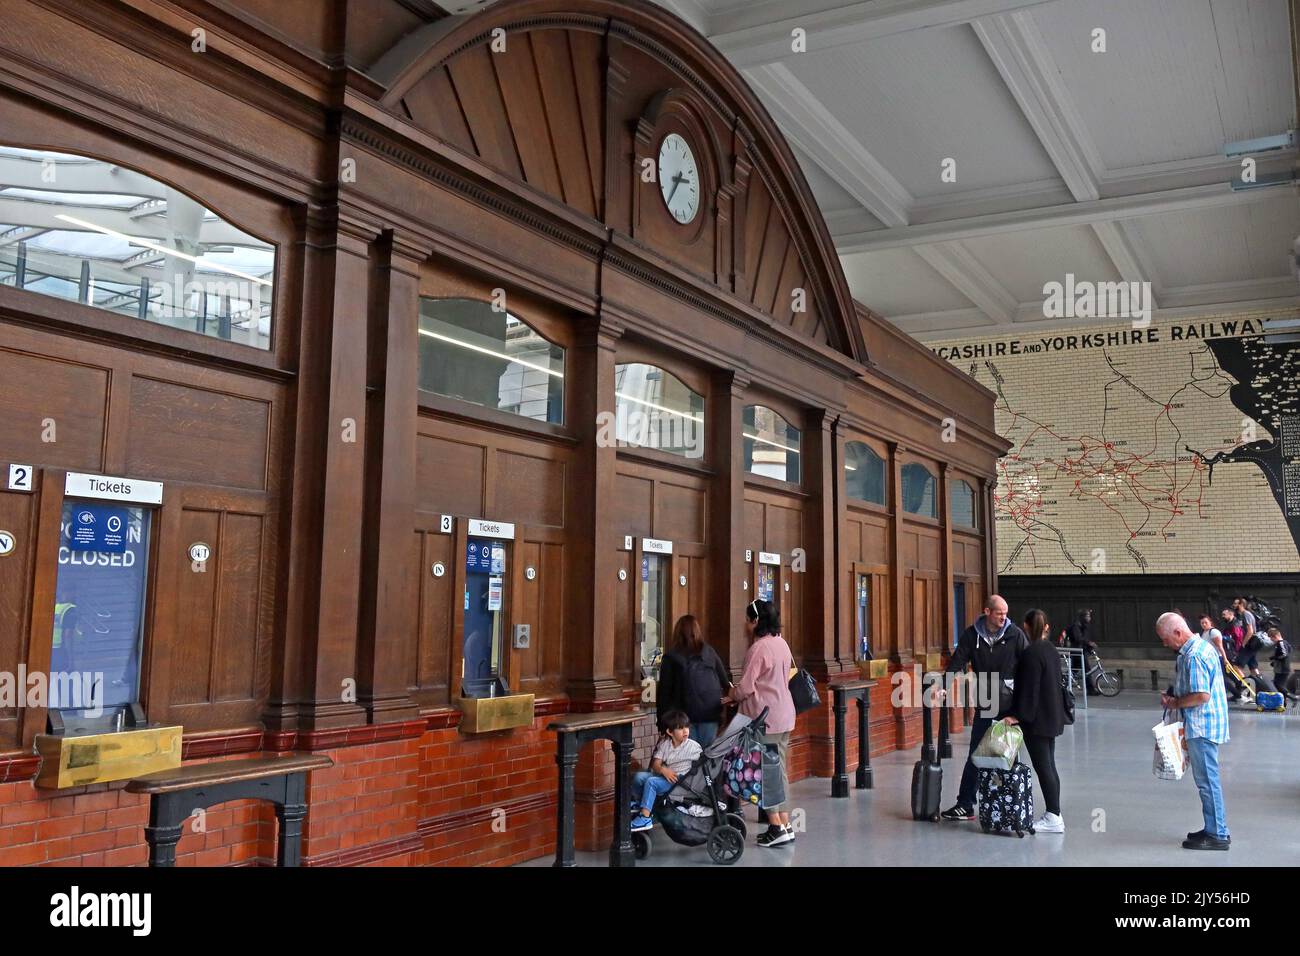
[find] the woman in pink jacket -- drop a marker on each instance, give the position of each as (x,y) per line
(766,683)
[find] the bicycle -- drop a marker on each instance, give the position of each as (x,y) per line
(1104,682)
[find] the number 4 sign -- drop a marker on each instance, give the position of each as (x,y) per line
(20,477)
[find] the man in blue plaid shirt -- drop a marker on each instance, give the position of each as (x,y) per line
(1198,693)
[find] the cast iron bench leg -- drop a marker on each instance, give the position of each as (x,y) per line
(620,850)
(291,813)
(863,778)
(840,780)
(567,757)
(164,830)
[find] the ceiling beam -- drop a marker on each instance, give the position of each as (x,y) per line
(1066,214)
(811,127)
(1017,49)
(955,263)
(760,33)
(1130,263)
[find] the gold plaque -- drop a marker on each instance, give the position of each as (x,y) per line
(479,715)
(99,758)
(934,661)
(877,669)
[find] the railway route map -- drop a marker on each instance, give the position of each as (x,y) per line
(1162,449)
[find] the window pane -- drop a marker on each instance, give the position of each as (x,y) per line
(472,352)
(771,445)
(864,473)
(961,502)
(99,602)
(655,409)
(78,228)
(918,491)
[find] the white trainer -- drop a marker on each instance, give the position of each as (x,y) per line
(1049,823)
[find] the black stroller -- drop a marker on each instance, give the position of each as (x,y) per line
(694,811)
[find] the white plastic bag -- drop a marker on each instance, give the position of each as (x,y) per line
(1170,759)
(1000,747)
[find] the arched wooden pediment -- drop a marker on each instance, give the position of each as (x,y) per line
(562,95)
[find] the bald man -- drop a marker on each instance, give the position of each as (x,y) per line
(1199,696)
(992,646)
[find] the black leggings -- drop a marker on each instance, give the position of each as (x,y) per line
(1042,751)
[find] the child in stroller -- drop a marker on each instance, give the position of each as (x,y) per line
(675,754)
(694,811)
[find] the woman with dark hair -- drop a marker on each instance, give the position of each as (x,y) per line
(692,679)
(765,682)
(1040,711)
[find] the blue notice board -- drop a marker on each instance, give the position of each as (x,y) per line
(97,528)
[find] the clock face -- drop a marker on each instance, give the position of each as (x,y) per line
(679,178)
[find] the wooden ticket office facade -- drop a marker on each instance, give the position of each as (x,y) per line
(394,160)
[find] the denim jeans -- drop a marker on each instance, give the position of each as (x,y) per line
(970,773)
(651,785)
(704,733)
(1203,754)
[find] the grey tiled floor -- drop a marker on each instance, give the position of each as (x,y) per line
(1105,766)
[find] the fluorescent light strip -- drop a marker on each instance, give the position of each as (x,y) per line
(764,441)
(661,408)
(136,241)
(484,351)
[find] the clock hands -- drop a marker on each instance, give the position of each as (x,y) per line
(678,179)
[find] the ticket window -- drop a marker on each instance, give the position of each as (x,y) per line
(483,636)
(655,572)
(862,617)
(99,617)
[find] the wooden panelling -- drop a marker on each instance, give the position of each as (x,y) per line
(680,513)
(191,434)
(192,651)
(235,649)
(51,412)
(634,501)
(18,517)
(480,99)
(432,104)
(449,476)
(529,489)
(436,618)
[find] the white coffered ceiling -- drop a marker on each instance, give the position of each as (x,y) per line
(1108,165)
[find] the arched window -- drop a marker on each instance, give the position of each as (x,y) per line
(476,353)
(655,409)
(771,445)
(918,491)
(864,473)
(78,228)
(961,504)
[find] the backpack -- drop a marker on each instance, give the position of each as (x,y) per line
(703,689)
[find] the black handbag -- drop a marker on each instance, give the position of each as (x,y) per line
(803,690)
(1067,699)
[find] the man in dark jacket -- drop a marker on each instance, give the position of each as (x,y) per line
(1076,635)
(992,646)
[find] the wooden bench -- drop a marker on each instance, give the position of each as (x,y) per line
(841,691)
(174,795)
(571,732)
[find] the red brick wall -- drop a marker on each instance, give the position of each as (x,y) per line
(439,798)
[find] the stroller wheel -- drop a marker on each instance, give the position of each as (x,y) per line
(641,845)
(737,821)
(725,845)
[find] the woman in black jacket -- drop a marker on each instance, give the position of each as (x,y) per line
(1040,711)
(694,680)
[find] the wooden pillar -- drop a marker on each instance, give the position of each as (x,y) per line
(386,646)
(945,559)
(727,516)
(901,649)
(589,642)
(844,581)
(987,485)
(821,641)
(317,669)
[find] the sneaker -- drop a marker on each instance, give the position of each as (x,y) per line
(775,836)
(1205,842)
(958,813)
(1049,823)
(643,823)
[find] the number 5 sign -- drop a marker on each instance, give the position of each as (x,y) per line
(20,477)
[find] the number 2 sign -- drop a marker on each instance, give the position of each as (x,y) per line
(20,477)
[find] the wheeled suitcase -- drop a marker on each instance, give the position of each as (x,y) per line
(1007,800)
(927,775)
(1270,700)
